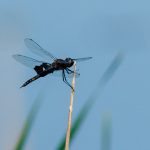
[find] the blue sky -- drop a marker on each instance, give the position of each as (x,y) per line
(94,28)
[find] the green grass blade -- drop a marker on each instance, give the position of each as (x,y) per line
(29,123)
(106,132)
(108,74)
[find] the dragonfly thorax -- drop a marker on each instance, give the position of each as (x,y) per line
(61,64)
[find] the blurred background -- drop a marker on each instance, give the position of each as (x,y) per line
(78,28)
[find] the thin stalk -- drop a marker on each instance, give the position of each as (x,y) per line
(70,111)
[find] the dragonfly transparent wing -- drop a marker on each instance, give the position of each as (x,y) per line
(59,74)
(27,61)
(82,59)
(37,49)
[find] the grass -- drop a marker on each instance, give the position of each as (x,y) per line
(20,145)
(70,111)
(106,132)
(103,81)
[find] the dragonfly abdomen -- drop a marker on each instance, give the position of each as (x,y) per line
(43,67)
(30,80)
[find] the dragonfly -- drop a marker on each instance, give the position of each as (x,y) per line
(43,68)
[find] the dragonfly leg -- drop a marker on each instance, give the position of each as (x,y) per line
(63,75)
(69,71)
(65,80)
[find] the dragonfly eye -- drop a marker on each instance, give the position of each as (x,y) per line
(68,59)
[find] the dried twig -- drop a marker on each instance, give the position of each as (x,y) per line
(70,111)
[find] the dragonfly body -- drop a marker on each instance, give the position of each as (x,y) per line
(43,68)
(61,64)
(46,68)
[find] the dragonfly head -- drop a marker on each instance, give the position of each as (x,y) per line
(69,61)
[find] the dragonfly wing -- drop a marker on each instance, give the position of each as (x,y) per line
(59,74)
(37,49)
(27,61)
(82,59)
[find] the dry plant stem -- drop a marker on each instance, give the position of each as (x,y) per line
(70,111)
